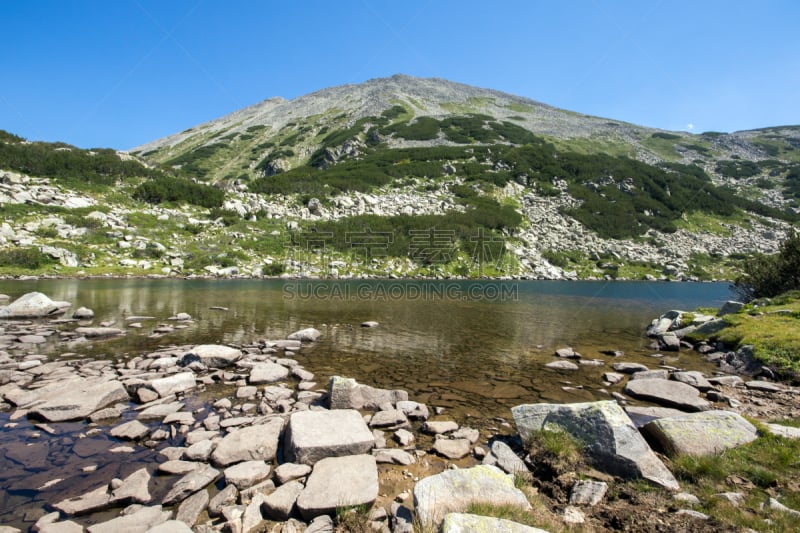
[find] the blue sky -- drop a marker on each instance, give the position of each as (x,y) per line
(124,72)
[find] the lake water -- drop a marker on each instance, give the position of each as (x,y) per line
(474,348)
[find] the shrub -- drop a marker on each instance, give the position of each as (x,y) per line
(25,258)
(167,189)
(771,275)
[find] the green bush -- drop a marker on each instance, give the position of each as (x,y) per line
(25,258)
(771,275)
(167,189)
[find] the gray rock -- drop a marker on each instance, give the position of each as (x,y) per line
(453,491)
(252,443)
(346,393)
(77,399)
(787,432)
(91,501)
(393,456)
(200,451)
(305,335)
(629,368)
(404,437)
(99,332)
(692,513)
(222,499)
(246,474)
(191,483)
(651,374)
(711,327)
(192,507)
(134,488)
(170,526)
(664,323)
(321,524)
(705,433)
(158,411)
(212,355)
(290,471)
(585,492)
(279,504)
(314,435)
(669,393)
(452,448)
(562,365)
(173,384)
(339,481)
(67,526)
(730,307)
(694,378)
(612,441)
(502,456)
(133,430)
(414,410)
(641,415)
(139,521)
(252,517)
(267,373)
(439,427)
(567,353)
(764,386)
(33,305)
(470,523)
(775,505)
(669,341)
(83,313)
(369,324)
(613,377)
(392,418)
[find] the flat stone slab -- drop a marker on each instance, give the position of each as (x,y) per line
(339,481)
(314,435)
(612,441)
(471,523)
(346,393)
(94,500)
(212,355)
(279,504)
(139,521)
(453,491)
(669,393)
(173,384)
(99,332)
(77,399)
(135,488)
(452,448)
(246,474)
(267,373)
(191,483)
(706,433)
(252,443)
(694,378)
(133,430)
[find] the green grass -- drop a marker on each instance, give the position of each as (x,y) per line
(555,452)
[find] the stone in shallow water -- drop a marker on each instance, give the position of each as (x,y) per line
(191,483)
(77,399)
(94,500)
(669,393)
(133,430)
(267,373)
(140,520)
(212,355)
(252,443)
(314,435)
(134,488)
(279,504)
(346,393)
(452,448)
(246,474)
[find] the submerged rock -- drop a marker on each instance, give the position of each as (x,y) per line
(346,393)
(77,399)
(612,441)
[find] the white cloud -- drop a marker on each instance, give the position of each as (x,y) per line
(690,126)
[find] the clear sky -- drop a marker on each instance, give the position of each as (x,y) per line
(120,73)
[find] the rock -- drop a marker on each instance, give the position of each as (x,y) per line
(66,526)
(134,488)
(159,411)
(369,324)
(612,441)
(305,335)
(173,384)
(730,307)
(775,505)
(212,355)
(252,517)
(314,435)
(641,415)
(99,333)
(133,430)
(472,435)
(321,524)
(629,368)
(705,433)
(502,456)
(290,471)
(393,456)
(787,432)
(404,437)
(452,448)
(246,474)
(567,353)
(669,393)
(686,497)
(573,515)
(413,410)
(191,483)
(693,378)
(391,418)
(763,386)
(77,399)
(222,499)
(710,328)
(252,443)
(454,490)
(339,481)
(33,305)
(178,467)
(585,492)
(651,374)
(470,523)
(279,504)
(346,393)
(692,513)
(91,501)
(562,365)
(267,373)
(613,377)
(170,526)
(439,427)
(139,521)
(83,313)
(664,323)
(669,341)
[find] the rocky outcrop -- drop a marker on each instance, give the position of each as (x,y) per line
(609,437)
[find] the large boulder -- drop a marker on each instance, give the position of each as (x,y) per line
(453,491)
(339,482)
(669,393)
(612,441)
(705,433)
(346,393)
(33,305)
(252,443)
(314,435)
(471,523)
(77,399)
(173,384)
(212,355)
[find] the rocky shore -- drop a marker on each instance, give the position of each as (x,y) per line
(243,438)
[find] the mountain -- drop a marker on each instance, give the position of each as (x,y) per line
(405,176)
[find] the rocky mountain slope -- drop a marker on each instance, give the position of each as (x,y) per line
(401,177)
